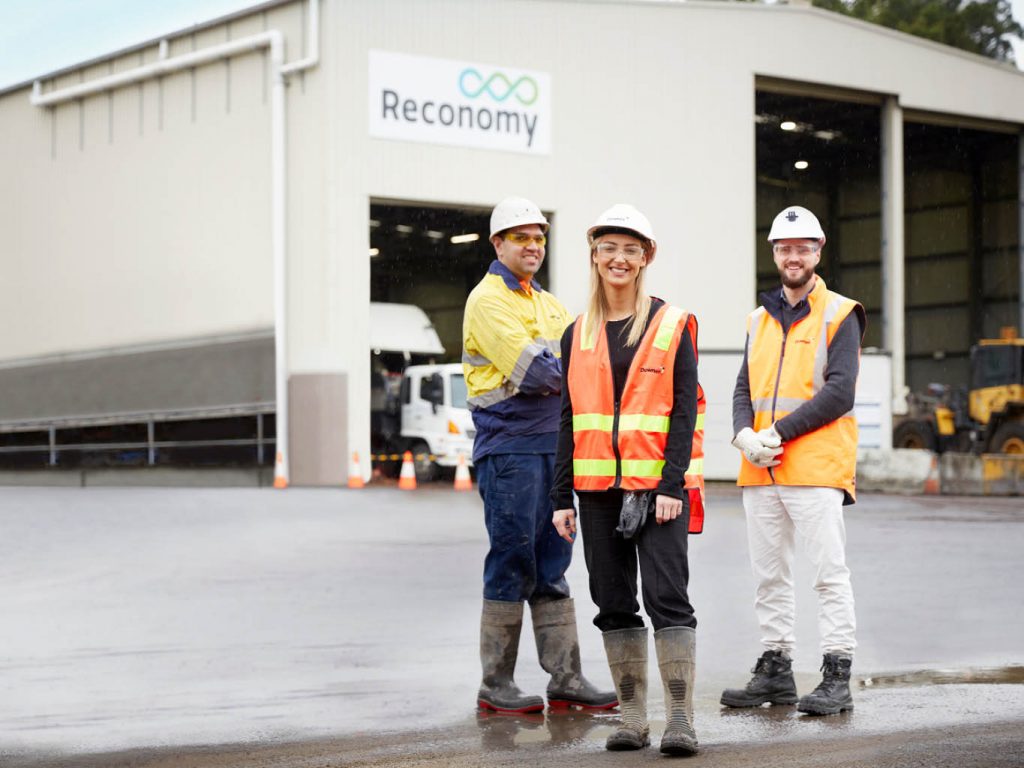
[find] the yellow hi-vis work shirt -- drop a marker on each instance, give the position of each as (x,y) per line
(511,359)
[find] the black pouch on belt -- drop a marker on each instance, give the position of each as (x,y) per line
(635,507)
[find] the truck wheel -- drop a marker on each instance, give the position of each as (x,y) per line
(426,469)
(1009,438)
(915,434)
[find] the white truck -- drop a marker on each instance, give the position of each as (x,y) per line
(417,405)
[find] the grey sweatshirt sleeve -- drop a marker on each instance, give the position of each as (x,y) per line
(742,408)
(834,399)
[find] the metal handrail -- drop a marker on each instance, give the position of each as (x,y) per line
(136,417)
(150,419)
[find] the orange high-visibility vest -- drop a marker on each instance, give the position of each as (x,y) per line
(786,371)
(624,446)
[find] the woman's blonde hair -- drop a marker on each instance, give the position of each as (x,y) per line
(597,304)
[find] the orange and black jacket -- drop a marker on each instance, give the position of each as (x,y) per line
(682,410)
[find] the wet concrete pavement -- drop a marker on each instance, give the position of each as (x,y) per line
(323,627)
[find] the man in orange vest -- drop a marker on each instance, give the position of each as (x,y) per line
(794,424)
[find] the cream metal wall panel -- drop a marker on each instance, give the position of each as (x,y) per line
(144,212)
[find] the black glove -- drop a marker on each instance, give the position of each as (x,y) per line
(635,507)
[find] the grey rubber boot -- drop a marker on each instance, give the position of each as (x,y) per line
(772,683)
(677,659)
(500,626)
(627,659)
(558,649)
(832,695)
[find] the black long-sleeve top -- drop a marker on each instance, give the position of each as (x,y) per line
(681,420)
(834,399)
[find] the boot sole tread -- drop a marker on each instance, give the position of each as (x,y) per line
(679,749)
(570,703)
(486,705)
(626,746)
(738,704)
(811,709)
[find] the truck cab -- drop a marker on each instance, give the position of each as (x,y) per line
(435,418)
(417,404)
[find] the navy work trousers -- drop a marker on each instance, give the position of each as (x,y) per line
(527,558)
(612,564)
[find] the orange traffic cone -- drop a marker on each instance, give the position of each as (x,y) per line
(355,474)
(280,481)
(407,480)
(933,483)
(463,482)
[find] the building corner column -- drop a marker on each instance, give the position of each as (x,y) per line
(893,264)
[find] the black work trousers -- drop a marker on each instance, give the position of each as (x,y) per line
(612,565)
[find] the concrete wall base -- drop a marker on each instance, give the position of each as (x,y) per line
(956,474)
(156,477)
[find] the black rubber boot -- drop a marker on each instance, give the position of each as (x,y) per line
(832,695)
(500,626)
(558,649)
(627,659)
(772,683)
(677,658)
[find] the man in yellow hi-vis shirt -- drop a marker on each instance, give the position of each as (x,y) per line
(511,333)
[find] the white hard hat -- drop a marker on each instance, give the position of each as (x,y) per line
(797,223)
(515,212)
(623,216)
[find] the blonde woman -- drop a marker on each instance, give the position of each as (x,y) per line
(629,409)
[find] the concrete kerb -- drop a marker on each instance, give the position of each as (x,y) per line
(901,470)
(153,477)
(911,471)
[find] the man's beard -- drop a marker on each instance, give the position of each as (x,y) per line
(799,281)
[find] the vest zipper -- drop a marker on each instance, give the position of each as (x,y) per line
(775,394)
(778,374)
(615,446)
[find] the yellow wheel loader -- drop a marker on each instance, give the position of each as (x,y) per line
(987,418)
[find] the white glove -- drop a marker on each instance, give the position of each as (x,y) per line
(769,437)
(755,451)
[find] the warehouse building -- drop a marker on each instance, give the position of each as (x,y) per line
(195,227)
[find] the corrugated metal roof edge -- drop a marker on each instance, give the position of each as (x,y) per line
(705,4)
(253,9)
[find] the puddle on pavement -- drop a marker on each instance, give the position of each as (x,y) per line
(559,728)
(1012,675)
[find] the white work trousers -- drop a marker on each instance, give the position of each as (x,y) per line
(774,513)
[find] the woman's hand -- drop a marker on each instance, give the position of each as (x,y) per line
(565,523)
(666,508)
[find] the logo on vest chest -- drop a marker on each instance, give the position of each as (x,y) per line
(659,369)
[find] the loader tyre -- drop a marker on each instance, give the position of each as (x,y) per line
(915,434)
(1009,438)
(426,469)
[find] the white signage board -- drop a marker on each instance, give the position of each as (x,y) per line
(717,373)
(459,103)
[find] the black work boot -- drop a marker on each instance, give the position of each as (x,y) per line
(832,695)
(558,649)
(500,625)
(772,683)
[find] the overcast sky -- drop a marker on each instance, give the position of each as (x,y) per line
(39,36)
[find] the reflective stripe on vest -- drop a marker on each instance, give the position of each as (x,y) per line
(627,449)
(785,371)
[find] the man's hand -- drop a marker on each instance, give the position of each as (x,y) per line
(755,451)
(565,523)
(769,437)
(666,508)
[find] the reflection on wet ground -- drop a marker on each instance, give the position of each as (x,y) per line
(557,727)
(985,675)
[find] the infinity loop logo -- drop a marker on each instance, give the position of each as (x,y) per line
(472,84)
